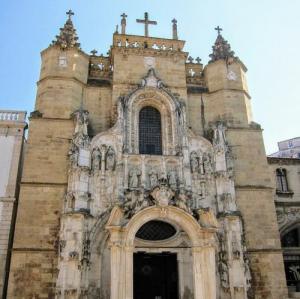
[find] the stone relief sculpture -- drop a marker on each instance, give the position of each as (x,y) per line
(181,200)
(162,194)
(219,138)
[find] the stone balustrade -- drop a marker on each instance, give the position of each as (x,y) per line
(12,115)
(135,41)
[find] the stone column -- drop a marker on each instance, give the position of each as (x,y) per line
(128,255)
(115,252)
(204,272)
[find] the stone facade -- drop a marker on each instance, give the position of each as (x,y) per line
(88,188)
(12,128)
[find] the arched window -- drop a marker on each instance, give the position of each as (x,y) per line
(150,141)
(281,180)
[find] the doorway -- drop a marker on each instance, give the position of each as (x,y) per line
(155,275)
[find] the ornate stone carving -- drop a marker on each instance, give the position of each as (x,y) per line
(207,164)
(287,215)
(207,218)
(181,200)
(162,194)
(219,138)
(151,80)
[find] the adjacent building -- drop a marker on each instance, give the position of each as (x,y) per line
(12,129)
(288,149)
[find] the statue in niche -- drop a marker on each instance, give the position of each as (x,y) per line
(194,160)
(70,201)
(236,248)
(247,271)
(228,203)
(73,156)
(224,277)
(203,189)
(96,159)
(153,180)
(172,179)
(219,139)
(181,200)
(201,165)
(134,202)
(81,122)
(110,161)
(207,163)
(229,163)
(134,178)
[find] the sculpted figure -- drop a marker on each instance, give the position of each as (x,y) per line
(181,200)
(153,179)
(96,159)
(207,163)
(73,154)
(194,160)
(134,180)
(172,179)
(110,159)
(219,139)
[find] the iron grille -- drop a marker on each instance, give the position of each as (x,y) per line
(150,141)
(156,231)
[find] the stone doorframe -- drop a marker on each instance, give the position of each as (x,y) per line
(122,247)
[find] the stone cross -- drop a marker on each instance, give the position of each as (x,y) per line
(198,60)
(219,29)
(191,59)
(175,34)
(70,13)
(123,23)
(147,22)
(94,52)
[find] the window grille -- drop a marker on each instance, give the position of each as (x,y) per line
(156,230)
(150,140)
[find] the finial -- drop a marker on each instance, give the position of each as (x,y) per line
(117,29)
(123,23)
(221,48)
(70,13)
(147,22)
(175,33)
(198,60)
(67,37)
(191,59)
(94,52)
(219,29)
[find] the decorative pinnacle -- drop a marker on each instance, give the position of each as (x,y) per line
(221,48)
(123,23)
(67,37)
(175,33)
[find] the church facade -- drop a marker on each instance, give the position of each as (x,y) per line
(145,176)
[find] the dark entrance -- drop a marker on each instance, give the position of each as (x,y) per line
(155,276)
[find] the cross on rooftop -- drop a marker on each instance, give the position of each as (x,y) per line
(70,13)
(198,60)
(147,22)
(124,15)
(219,29)
(94,52)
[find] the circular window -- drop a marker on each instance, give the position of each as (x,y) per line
(156,230)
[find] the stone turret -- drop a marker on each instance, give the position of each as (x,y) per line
(64,71)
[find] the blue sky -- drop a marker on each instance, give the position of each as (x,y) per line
(263,33)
